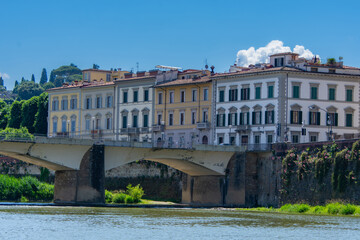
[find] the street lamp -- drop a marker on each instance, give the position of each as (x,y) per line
(128,130)
(93,131)
(230,126)
(328,121)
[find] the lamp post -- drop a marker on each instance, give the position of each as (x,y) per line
(93,131)
(329,121)
(230,126)
(128,130)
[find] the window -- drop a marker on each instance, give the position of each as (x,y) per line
(245,93)
(88,103)
(193,117)
(256,117)
(73,124)
(109,101)
(279,62)
(295,138)
(221,96)
(220,120)
(54,125)
(296,91)
(205,116)
(349,118)
(63,124)
(55,104)
(171,97)
(125,97)
(64,104)
(171,119)
(314,118)
(146,95)
(233,95)
(332,70)
(135,97)
(257,139)
(87,123)
(182,96)
(124,121)
(182,118)
(269,117)
(108,77)
(98,102)
(135,121)
(232,119)
(160,98)
(73,103)
(98,123)
(314,69)
(146,120)
(269,138)
(349,95)
(313,138)
(194,95)
(108,122)
(270,91)
(206,94)
(159,118)
(331,93)
(332,119)
(295,117)
(244,118)
(314,93)
(257,92)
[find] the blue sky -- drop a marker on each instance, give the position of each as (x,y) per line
(48,34)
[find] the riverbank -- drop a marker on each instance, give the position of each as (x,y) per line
(333,209)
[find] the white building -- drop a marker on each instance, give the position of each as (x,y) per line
(134,106)
(273,104)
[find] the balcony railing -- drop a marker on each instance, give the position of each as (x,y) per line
(158,128)
(203,125)
(243,128)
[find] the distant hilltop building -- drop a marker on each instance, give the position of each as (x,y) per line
(289,99)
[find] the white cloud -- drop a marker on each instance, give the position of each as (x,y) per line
(261,55)
(4,75)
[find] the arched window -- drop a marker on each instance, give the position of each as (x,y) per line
(205,140)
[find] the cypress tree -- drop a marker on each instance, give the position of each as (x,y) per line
(1,81)
(32,78)
(15,115)
(28,112)
(43,78)
(16,83)
(40,123)
(52,76)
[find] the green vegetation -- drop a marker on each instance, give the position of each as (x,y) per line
(338,209)
(131,195)
(24,189)
(65,74)
(14,133)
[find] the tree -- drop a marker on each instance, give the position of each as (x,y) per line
(23,79)
(1,81)
(4,114)
(40,123)
(15,115)
(65,73)
(331,61)
(16,83)
(95,66)
(48,85)
(28,112)
(43,78)
(52,76)
(32,78)
(28,89)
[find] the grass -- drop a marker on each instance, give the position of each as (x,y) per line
(336,209)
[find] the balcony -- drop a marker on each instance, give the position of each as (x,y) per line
(203,125)
(158,128)
(144,130)
(131,130)
(243,128)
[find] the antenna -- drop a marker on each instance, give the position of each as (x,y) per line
(206,64)
(137,66)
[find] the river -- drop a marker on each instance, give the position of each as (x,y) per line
(50,222)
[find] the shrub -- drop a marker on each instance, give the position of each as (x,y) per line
(347,209)
(108,196)
(135,192)
(24,199)
(333,208)
(299,208)
(129,199)
(119,198)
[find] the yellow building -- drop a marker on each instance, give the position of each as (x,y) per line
(64,110)
(182,112)
(90,75)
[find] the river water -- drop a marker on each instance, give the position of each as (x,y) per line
(40,222)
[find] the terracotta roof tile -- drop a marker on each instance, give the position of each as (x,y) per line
(184,82)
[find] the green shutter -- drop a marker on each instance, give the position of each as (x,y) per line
(253,117)
(318,118)
(241,119)
(229,119)
(309,118)
(336,119)
(236,122)
(236,94)
(300,117)
(248,118)
(224,123)
(217,120)
(273,117)
(266,116)
(230,96)
(291,116)
(260,118)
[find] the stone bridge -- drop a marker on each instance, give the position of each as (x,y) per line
(215,175)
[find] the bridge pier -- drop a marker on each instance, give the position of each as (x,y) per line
(84,186)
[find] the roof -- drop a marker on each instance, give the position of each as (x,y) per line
(176,82)
(134,78)
(82,85)
(96,70)
(284,53)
